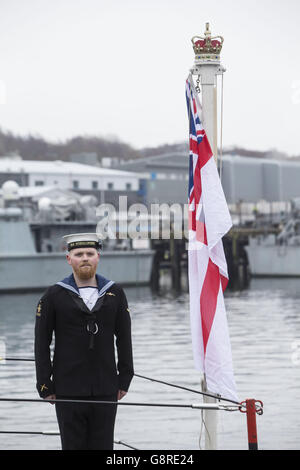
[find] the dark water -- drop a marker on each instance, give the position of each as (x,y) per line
(264,324)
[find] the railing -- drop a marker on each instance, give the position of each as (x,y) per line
(250,407)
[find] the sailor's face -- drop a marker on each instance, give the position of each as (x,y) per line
(84,261)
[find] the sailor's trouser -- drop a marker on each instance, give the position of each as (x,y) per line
(86,426)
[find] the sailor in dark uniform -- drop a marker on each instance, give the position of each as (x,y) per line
(87,313)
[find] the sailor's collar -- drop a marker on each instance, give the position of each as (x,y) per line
(70,284)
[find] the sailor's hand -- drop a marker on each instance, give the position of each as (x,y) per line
(121,394)
(50,397)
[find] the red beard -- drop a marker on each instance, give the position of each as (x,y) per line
(85,272)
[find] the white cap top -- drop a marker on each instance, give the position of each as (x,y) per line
(82,240)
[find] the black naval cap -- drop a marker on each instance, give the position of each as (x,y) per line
(83,240)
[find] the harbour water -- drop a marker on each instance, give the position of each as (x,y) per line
(264,323)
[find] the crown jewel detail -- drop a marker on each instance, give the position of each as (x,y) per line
(207,47)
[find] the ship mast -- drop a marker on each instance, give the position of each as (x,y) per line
(207,67)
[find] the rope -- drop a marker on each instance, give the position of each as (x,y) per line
(206,406)
(206,394)
(16,359)
(44,433)
(54,433)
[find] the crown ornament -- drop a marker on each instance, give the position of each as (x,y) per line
(207,48)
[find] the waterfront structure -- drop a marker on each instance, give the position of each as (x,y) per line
(244,179)
(85,179)
(160,178)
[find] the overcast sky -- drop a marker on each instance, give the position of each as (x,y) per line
(118,67)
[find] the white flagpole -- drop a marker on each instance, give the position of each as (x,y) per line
(207,66)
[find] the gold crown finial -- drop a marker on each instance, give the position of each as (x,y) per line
(207,30)
(207,48)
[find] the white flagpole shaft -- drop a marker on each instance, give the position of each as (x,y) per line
(208,93)
(211,422)
(207,68)
(208,78)
(208,88)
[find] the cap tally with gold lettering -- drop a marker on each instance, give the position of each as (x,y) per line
(83,240)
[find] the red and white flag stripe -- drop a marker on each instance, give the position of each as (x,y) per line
(209,221)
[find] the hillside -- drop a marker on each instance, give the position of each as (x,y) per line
(35,147)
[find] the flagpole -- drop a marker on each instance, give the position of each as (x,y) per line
(207,67)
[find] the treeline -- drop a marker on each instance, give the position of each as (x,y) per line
(35,147)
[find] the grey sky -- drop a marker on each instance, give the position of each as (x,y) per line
(70,67)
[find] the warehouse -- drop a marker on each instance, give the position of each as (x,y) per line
(66,175)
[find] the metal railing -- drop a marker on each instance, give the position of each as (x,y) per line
(249,406)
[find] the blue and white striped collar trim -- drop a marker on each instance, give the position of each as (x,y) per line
(70,284)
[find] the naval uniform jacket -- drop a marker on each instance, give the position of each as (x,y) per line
(84,361)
